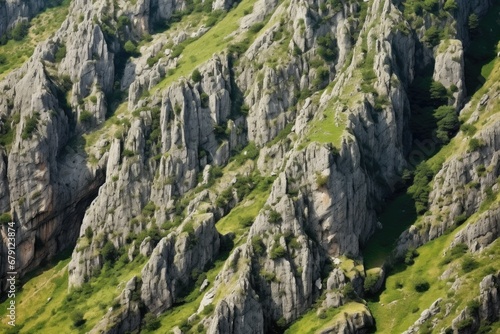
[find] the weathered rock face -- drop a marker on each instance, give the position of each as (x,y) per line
(356,322)
(14,11)
(425,316)
(185,117)
(489,298)
(47,185)
(128,316)
(169,268)
(449,70)
(240,312)
(488,311)
(482,233)
(459,188)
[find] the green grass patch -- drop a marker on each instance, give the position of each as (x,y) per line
(37,314)
(327,130)
(398,215)
(407,293)
(241,217)
(42,27)
(212,42)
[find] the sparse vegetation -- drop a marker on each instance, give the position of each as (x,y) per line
(277,251)
(31,123)
(5,218)
(196,76)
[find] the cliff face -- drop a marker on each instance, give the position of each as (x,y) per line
(135,141)
(13,12)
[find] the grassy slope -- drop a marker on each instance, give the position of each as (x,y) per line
(212,42)
(398,215)
(36,314)
(398,306)
(42,27)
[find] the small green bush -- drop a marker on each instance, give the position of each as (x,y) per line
(410,256)
(130,47)
(455,253)
(123,21)
(322,75)
(447,122)
(464,324)
(151,322)
(438,91)
(30,126)
(208,309)
(20,30)
(370,282)
(225,197)
(469,264)
(460,219)
(246,222)
(109,252)
(431,5)
(321,180)
(77,319)
(432,36)
(239,48)
(258,245)
(60,53)
(450,5)
(468,129)
(420,189)
(473,21)
(475,144)
(277,252)
(349,292)
(473,307)
(149,209)
(268,276)
(196,76)
(89,233)
(421,285)
(204,100)
(281,323)
(274,217)
(326,47)
(177,50)
(256,27)
(5,218)
(128,153)
(85,116)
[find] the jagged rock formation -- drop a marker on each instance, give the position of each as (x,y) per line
(424,316)
(356,322)
(482,233)
(13,12)
(173,260)
(470,319)
(128,317)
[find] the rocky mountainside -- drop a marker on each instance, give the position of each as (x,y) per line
(221,167)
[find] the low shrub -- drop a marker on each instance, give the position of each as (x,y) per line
(421,285)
